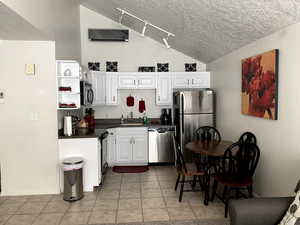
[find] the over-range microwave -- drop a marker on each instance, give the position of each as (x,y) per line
(86,93)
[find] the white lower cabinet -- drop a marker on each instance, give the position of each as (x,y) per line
(90,150)
(131,146)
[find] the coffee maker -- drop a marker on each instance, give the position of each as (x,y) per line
(166,118)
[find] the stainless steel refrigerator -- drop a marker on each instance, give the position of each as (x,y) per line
(191,110)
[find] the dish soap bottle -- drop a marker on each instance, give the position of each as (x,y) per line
(145,119)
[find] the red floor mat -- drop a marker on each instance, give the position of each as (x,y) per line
(130,169)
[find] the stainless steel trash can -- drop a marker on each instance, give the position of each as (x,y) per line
(73,182)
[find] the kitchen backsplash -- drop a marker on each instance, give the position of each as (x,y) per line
(152,110)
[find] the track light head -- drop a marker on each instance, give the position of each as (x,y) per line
(121,16)
(144,30)
(165,40)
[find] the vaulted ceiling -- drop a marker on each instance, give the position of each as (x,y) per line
(205,29)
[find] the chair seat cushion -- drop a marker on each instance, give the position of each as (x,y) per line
(233,181)
(292,216)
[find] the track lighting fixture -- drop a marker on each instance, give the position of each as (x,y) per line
(165,40)
(121,16)
(144,29)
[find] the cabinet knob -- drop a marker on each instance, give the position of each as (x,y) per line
(188,81)
(192,81)
(159,98)
(114,98)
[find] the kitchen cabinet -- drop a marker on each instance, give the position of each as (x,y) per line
(111,88)
(90,150)
(191,80)
(111,146)
(98,80)
(137,80)
(131,146)
(164,89)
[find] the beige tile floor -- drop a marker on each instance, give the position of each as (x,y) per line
(124,198)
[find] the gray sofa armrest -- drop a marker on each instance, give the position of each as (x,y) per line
(258,211)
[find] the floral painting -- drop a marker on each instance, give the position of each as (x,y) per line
(259,85)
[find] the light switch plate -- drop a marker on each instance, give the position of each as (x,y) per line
(30,69)
(1,97)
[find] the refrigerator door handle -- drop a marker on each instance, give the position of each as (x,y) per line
(182,111)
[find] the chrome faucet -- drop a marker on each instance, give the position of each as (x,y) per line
(131,115)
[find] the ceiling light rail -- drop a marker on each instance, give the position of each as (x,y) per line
(146,23)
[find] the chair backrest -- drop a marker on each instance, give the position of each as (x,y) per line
(179,160)
(207,133)
(240,160)
(248,137)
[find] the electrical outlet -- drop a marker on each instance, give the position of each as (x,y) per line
(30,69)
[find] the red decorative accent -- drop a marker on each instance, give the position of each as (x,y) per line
(130,169)
(130,101)
(142,106)
(65,89)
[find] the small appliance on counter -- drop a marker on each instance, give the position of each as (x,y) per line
(69,125)
(166,118)
(86,94)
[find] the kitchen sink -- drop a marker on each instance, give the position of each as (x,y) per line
(132,124)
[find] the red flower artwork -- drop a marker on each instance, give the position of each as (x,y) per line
(259,85)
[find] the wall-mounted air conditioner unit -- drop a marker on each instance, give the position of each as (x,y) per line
(108,35)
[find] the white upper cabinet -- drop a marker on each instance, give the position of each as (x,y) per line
(137,80)
(146,80)
(127,81)
(164,89)
(112,88)
(200,80)
(98,80)
(191,80)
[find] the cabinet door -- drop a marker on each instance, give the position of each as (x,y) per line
(111,147)
(98,80)
(127,81)
(164,90)
(181,81)
(112,89)
(124,148)
(200,80)
(140,149)
(146,81)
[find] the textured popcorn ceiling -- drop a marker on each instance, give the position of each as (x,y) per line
(205,29)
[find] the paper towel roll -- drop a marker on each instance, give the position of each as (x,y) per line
(68,125)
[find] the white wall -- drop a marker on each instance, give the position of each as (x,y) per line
(152,110)
(58,19)
(28,148)
(139,51)
(278,169)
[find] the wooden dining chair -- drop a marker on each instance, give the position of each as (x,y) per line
(185,171)
(207,133)
(248,137)
(236,170)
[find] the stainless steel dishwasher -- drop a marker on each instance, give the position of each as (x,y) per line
(160,145)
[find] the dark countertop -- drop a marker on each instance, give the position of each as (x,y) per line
(103,124)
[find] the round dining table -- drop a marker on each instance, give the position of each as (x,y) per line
(209,148)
